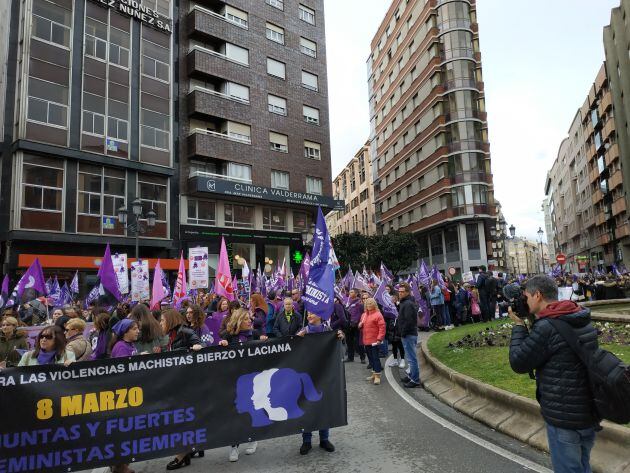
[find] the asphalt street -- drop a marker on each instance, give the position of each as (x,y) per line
(385,433)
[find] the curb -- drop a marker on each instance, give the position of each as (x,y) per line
(514,415)
(605,316)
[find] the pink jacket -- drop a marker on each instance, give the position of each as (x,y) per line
(372,326)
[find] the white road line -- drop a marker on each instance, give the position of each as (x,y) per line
(458,430)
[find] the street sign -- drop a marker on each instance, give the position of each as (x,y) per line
(561,258)
(452,271)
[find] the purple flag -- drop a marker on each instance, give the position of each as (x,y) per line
(167,289)
(386,274)
(109,294)
(4,293)
(74,285)
(65,297)
(92,295)
(360,283)
(415,291)
(385,300)
(30,286)
(435,274)
(423,276)
(54,293)
(615,270)
(214,325)
(320,286)
(49,285)
(305,267)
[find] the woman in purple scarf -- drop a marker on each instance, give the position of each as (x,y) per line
(50,348)
(127,332)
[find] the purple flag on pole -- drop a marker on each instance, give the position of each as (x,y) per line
(386,274)
(423,276)
(55,292)
(109,294)
(385,300)
(415,291)
(49,285)
(320,285)
(65,298)
(360,283)
(31,285)
(4,293)
(74,285)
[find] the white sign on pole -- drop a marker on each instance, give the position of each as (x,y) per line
(198,267)
(120,266)
(140,281)
(468,276)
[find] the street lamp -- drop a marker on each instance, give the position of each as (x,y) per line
(512,230)
(542,255)
(135,226)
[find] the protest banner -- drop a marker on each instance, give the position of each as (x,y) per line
(198,268)
(98,413)
(140,281)
(122,276)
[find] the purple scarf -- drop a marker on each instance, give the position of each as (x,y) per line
(100,351)
(316,328)
(245,336)
(46,357)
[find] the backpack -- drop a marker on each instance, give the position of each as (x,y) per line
(609,377)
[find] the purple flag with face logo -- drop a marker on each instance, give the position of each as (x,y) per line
(74,285)
(30,286)
(320,285)
(385,300)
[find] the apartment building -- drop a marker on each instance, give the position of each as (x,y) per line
(87,106)
(429,132)
(254,126)
(584,188)
(353,185)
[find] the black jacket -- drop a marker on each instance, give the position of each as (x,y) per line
(185,338)
(282,328)
(562,385)
(408,316)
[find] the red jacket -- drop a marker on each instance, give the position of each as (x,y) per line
(373,327)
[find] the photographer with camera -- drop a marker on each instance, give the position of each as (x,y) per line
(562,383)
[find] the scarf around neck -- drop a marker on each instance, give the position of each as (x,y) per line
(46,357)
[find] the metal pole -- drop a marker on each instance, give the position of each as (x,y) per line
(137,238)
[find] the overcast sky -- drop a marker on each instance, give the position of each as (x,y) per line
(539,59)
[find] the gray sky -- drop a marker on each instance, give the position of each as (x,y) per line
(539,59)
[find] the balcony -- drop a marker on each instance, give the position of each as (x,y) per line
(439,3)
(597,196)
(455,24)
(203,63)
(612,154)
(205,104)
(606,103)
(616,179)
(619,206)
(467,145)
(600,218)
(603,239)
(471,177)
(609,128)
(465,115)
(591,153)
(593,175)
(211,144)
(623,231)
(205,17)
(462,84)
(457,53)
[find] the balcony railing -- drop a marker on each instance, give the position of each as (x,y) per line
(217,54)
(460,84)
(463,114)
(219,94)
(218,176)
(228,18)
(455,23)
(224,136)
(465,145)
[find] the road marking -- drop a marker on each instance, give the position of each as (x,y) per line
(460,431)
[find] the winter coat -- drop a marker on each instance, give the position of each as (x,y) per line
(562,385)
(338,319)
(183,338)
(29,360)
(9,346)
(260,320)
(355,309)
(408,316)
(436,297)
(282,327)
(373,326)
(81,347)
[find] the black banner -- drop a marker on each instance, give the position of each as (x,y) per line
(93,414)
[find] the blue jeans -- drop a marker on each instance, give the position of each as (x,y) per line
(409,344)
(570,449)
(447,314)
(307,437)
(383,349)
(375,361)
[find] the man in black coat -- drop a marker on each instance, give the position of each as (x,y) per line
(483,293)
(288,321)
(408,325)
(563,388)
(490,287)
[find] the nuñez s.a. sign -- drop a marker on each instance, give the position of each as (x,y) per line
(100,413)
(135,9)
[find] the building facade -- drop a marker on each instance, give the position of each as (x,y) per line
(584,188)
(354,186)
(87,114)
(429,131)
(215,116)
(254,127)
(524,256)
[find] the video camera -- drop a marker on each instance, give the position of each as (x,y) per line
(514,296)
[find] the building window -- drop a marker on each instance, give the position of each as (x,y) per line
(155,61)
(313,185)
(436,246)
(201,212)
(279,142)
(239,17)
(302,221)
(154,129)
(93,114)
(472,238)
(42,193)
(307,15)
(274,219)
(238,216)
(309,81)
(241,172)
(310,114)
(274,33)
(277,105)
(276,68)
(279,4)
(163,7)
(95,39)
(119,47)
(280,180)
(47,102)
(101,192)
(308,47)
(51,23)
(153,193)
(238,131)
(117,120)
(312,150)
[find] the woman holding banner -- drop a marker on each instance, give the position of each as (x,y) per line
(50,348)
(151,339)
(196,318)
(11,340)
(76,342)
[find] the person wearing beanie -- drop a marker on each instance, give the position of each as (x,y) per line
(127,332)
